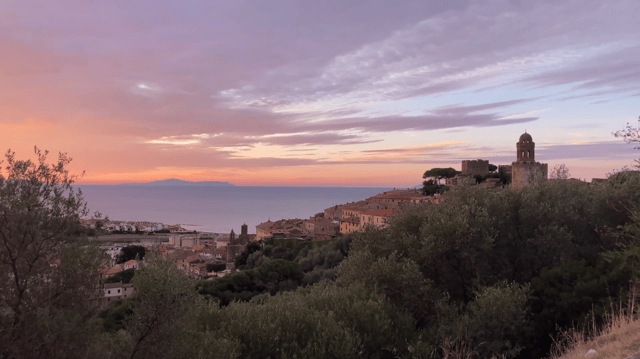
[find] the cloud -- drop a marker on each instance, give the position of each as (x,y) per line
(597,150)
(542,44)
(211,84)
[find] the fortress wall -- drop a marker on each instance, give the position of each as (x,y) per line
(477,167)
(522,174)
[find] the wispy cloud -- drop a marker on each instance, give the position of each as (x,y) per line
(236,85)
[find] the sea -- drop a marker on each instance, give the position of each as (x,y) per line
(217,208)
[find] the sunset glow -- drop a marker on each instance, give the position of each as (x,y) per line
(317,93)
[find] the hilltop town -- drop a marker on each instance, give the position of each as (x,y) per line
(421,248)
(196,252)
(205,255)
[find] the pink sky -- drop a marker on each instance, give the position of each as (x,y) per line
(317,93)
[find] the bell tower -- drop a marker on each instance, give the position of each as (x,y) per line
(526,149)
(525,170)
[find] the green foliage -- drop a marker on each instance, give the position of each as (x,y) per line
(505,177)
(494,325)
(318,260)
(123,277)
(241,260)
(315,322)
(163,304)
(431,187)
(479,178)
(492,167)
(212,267)
(47,269)
(498,320)
(131,252)
(440,173)
(478,238)
(115,315)
(578,293)
(271,277)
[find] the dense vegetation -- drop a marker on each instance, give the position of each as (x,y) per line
(279,265)
(484,274)
(553,240)
(128,253)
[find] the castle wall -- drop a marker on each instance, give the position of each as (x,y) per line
(477,167)
(525,173)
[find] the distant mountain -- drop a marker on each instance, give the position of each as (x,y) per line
(177,182)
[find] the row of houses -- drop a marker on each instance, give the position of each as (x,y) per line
(124,226)
(345,218)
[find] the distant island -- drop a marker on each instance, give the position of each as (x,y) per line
(178,182)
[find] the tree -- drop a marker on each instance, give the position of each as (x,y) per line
(131,252)
(431,187)
(213,267)
(440,173)
(492,167)
(241,259)
(479,178)
(560,172)
(47,271)
(630,134)
(165,296)
(123,277)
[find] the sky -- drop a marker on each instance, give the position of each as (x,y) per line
(317,93)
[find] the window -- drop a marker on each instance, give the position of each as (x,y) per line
(108,292)
(118,290)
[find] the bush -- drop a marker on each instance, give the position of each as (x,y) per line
(315,322)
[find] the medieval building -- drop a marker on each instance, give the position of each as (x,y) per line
(525,169)
(237,245)
(474,168)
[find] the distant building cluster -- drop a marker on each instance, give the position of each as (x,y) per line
(207,255)
(524,171)
(344,218)
(125,226)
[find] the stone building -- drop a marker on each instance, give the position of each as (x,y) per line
(476,167)
(237,245)
(525,169)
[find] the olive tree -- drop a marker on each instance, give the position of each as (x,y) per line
(48,273)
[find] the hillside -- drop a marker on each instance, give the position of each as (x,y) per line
(620,339)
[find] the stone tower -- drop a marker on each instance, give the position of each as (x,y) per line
(243,238)
(526,149)
(232,237)
(525,169)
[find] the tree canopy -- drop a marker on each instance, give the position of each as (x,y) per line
(131,252)
(440,173)
(47,271)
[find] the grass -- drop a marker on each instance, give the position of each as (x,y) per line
(619,338)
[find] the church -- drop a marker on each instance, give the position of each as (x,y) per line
(525,169)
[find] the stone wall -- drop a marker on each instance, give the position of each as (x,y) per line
(477,167)
(524,173)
